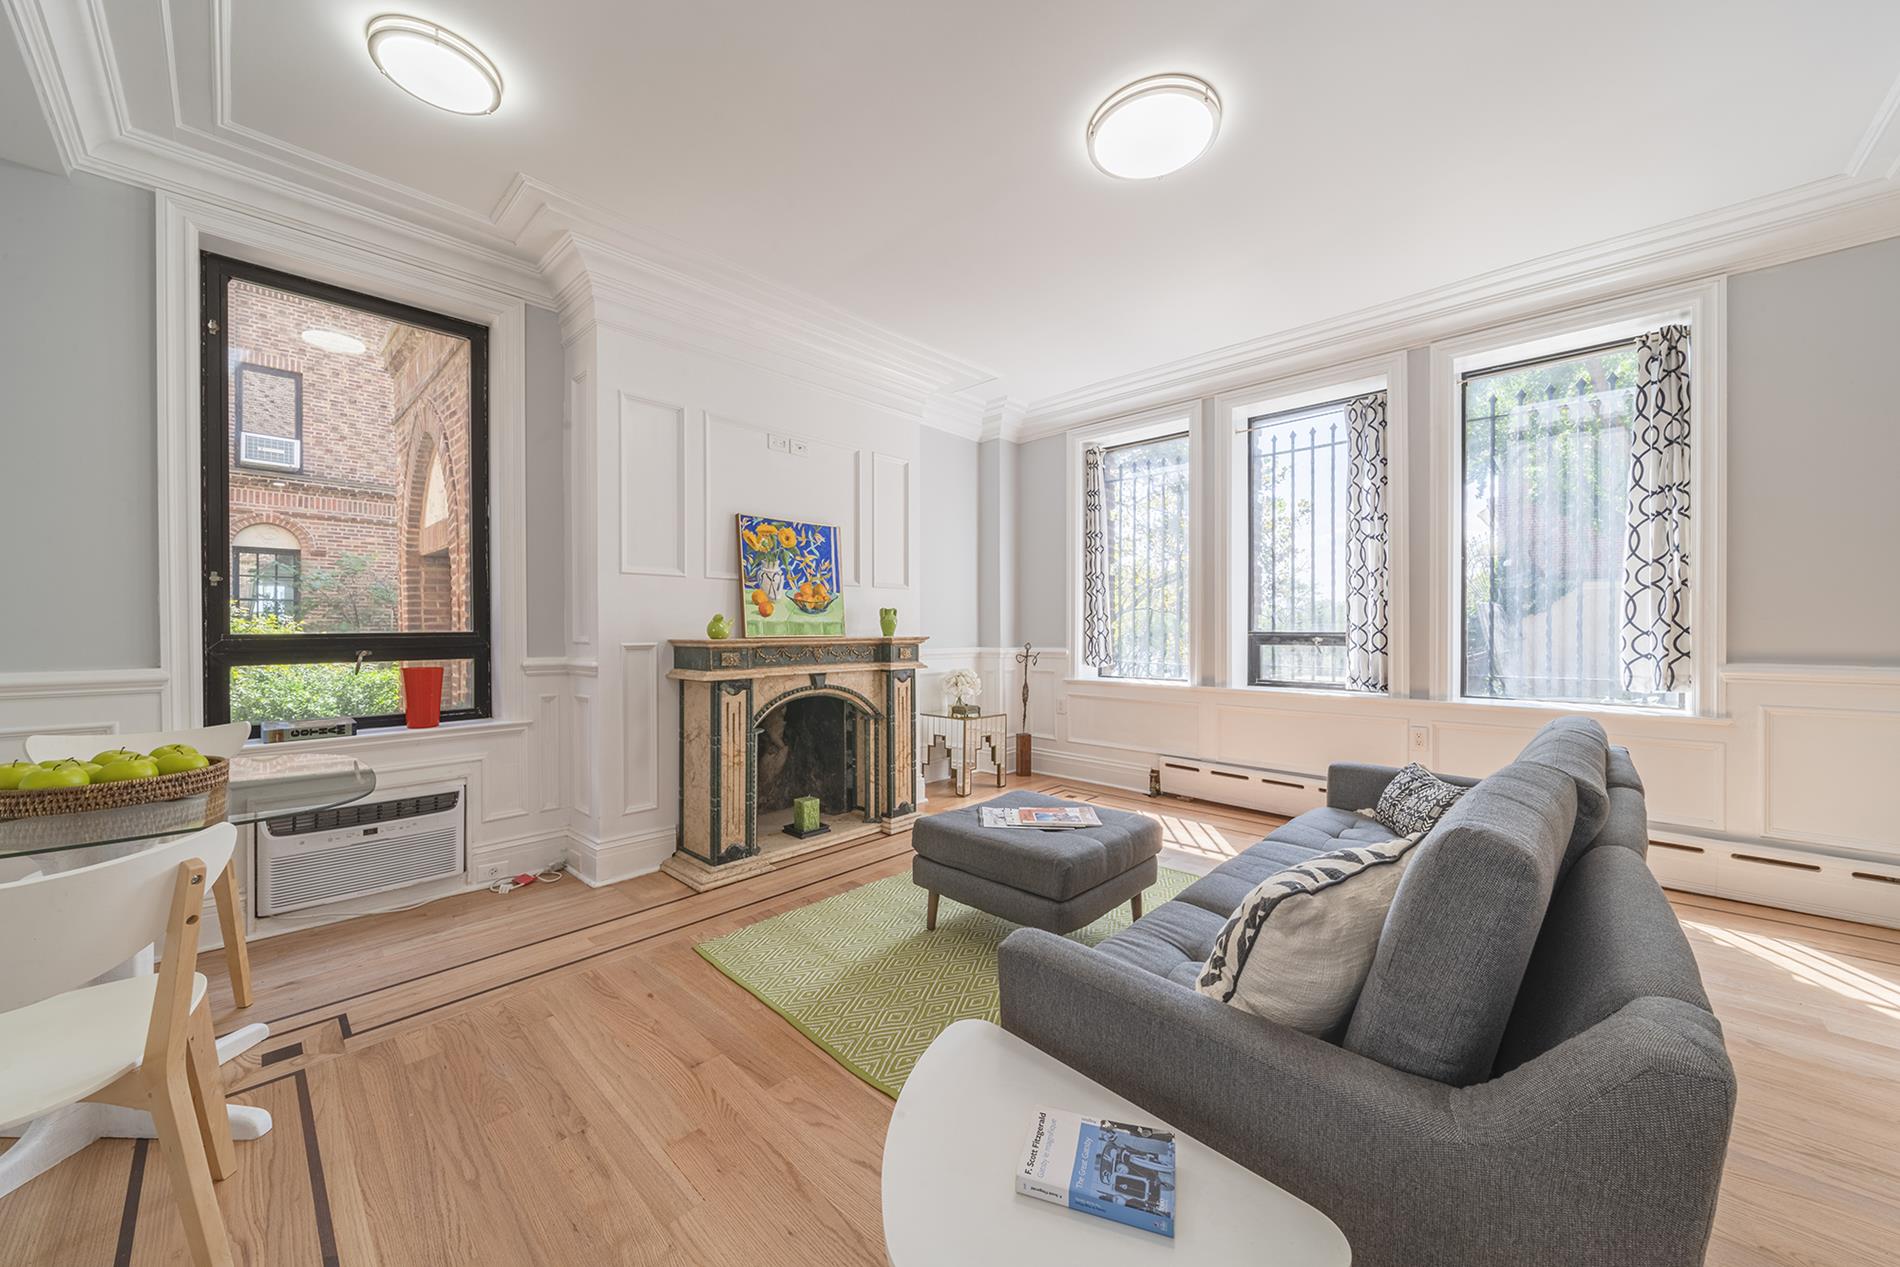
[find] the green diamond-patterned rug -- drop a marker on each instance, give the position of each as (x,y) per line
(859,976)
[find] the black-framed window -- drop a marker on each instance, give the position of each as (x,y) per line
(388,406)
(267,416)
(264,582)
(1297,470)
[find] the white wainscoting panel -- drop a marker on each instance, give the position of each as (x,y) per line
(652,487)
(583,768)
(1140,724)
(1829,775)
(640,726)
(1304,740)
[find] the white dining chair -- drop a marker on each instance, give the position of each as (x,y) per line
(214,741)
(141,1042)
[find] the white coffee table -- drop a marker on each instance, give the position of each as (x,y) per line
(950,1159)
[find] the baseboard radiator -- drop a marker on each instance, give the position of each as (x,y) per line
(1250,787)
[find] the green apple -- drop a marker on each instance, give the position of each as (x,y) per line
(12,772)
(70,775)
(179,762)
(116,754)
(127,768)
(166,748)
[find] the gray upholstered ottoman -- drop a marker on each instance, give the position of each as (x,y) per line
(1059,879)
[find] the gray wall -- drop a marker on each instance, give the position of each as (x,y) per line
(947,499)
(78,424)
(547,503)
(1042,536)
(1814,460)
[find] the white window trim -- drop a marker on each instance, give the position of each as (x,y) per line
(1703,306)
(1354,378)
(1148,425)
(185,227)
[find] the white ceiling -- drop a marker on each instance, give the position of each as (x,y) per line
(921,165)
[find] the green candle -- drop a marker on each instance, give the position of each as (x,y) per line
(805,813)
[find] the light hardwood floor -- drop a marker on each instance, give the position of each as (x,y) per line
(554,1077)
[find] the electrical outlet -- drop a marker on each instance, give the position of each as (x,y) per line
(490,871)
(1421,737)
(778,444)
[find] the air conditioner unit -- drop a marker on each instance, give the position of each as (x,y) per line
(280,453)
(328,855)
(1252,787)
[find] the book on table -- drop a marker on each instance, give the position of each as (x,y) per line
(1043,816)
(1113,1170)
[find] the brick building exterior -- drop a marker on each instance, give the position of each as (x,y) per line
(341,455)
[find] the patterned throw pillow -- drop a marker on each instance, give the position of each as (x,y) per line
(1298,948)
(1415,800)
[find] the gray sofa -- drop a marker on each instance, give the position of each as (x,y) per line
(1532,1075)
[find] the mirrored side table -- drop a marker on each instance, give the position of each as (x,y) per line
(966,741)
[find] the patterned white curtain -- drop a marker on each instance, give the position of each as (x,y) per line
(1655,637)
(1094,562)
(1368,544)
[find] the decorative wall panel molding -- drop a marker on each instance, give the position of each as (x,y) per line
(640,726)
(652,487)
(890,522)
(1828,775)
(744,474)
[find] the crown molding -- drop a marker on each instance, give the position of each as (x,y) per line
(1878,153)
(1826,215)
(535,244)
(1003,420)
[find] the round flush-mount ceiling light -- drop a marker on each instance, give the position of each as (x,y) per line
(432,63)
(1154,126)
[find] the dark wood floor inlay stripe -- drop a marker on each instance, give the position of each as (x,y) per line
(319,1190)
(129,1217)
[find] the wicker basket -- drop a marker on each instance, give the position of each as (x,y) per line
(45,802)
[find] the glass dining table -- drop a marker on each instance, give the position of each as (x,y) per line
(261,786)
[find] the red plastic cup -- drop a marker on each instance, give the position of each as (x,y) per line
(422,695)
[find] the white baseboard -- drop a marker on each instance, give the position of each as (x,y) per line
(603,862)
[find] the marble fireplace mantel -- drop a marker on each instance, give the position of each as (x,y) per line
(727,689)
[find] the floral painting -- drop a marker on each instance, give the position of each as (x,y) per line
(789,579)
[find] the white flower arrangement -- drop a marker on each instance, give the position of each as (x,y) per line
(961,690)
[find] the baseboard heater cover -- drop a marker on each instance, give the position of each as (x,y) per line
(1250,787)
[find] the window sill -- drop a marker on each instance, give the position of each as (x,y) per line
(392,734)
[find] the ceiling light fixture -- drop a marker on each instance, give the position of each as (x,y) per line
(1154,126)
(433,64)
(335,341)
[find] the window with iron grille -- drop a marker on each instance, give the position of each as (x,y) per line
(264,582)
(1545,508)
(1146,557)
(1298,465)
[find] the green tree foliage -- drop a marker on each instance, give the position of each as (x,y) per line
(292,692)
(347,598)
